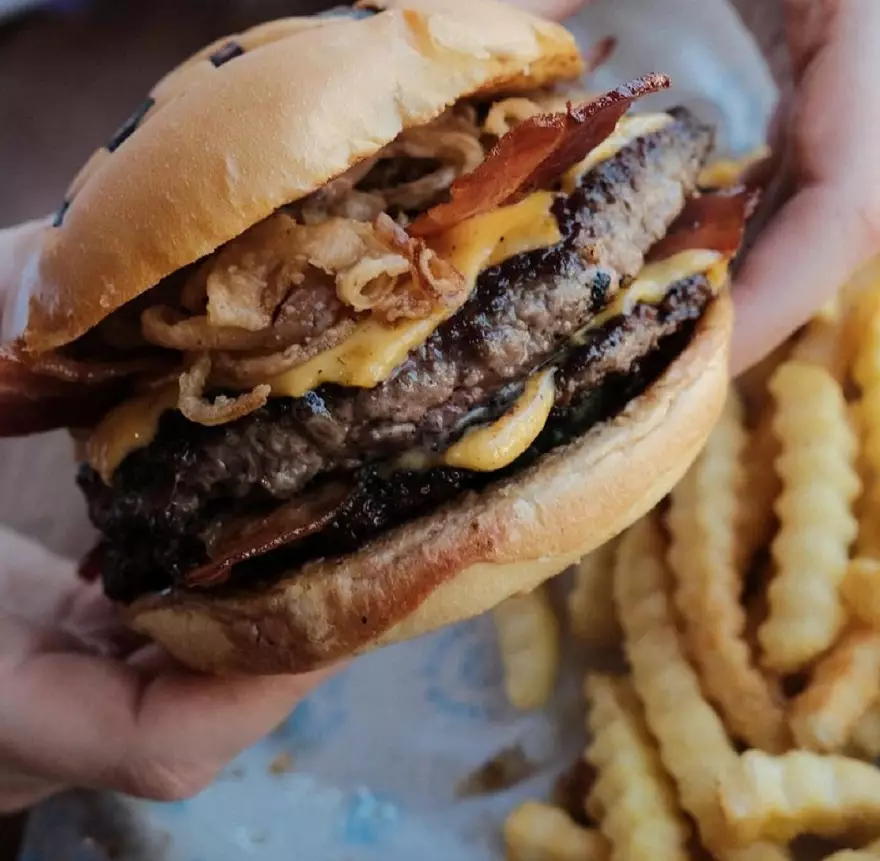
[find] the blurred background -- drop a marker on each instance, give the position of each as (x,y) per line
(72,70)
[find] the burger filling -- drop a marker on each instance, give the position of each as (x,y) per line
(363,357)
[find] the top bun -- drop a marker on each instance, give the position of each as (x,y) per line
(257,121)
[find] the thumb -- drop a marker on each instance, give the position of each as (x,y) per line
(814,245)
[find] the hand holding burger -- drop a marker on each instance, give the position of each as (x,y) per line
(205,619)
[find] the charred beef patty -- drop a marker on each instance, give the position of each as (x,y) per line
(148,547)
(523,314)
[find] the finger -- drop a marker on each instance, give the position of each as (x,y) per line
(807,26)
(814,245)
(555,10)
(102,723)
(19,791)
(43,588)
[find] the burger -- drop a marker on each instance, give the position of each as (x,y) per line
(365,322)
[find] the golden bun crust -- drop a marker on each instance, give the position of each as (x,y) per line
(466,557)
(217,148)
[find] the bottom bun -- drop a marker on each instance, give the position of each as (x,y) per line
(468,556)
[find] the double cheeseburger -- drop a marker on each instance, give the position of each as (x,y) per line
(363,323)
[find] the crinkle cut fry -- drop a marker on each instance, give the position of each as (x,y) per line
(843,685)
(703,525)
(817,526)
(864,740)
(866,371)
(591,610)
(767,797)
(528,637)
(541,832)
(693,744)
(757,520)
(640,814)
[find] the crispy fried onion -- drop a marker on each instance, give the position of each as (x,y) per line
(33,402)
(714,221)
(534,154)
(457,151)
(340,198)
(235,369)
(193,404)
(64,368)
(173,329)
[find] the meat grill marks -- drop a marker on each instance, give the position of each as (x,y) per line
(150,548)
(523,313)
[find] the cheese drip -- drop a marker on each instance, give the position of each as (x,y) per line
(494,446)
(655,279)
(628,129)
(130,426)
(373,350)
(499,444)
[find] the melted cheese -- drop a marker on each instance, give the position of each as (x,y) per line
(655,279)
(495,446)
(373,350)
(628,129)
(727,172)
(130,426)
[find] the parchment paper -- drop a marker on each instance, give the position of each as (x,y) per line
(370,767)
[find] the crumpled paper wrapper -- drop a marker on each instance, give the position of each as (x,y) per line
(378,764)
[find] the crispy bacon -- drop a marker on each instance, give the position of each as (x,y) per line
(290,522)
(95,373)
(713,221)
(534,154)
(34,403)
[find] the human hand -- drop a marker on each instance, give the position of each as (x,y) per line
(84,703)
(822,219)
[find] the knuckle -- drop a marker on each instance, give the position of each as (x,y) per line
(159,780)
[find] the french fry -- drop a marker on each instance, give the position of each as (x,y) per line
(528,637)
(693,744)
(590,602)
(753,384)
(861,590)
(821,343)
(778,798)
(867,374)
(865,739)
(541,832)
(727,172)
(640,815)
(844,684)
(702,521)
(757,519)
(816,521)
(852,855)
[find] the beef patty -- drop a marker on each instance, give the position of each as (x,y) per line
(522,314)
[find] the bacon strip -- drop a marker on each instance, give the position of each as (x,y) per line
(712,221)
(533,154)
(290,522)
(35,403)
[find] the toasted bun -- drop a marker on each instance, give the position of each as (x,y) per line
(217,148)
(467,557)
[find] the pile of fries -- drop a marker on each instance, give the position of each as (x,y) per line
(746,608)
